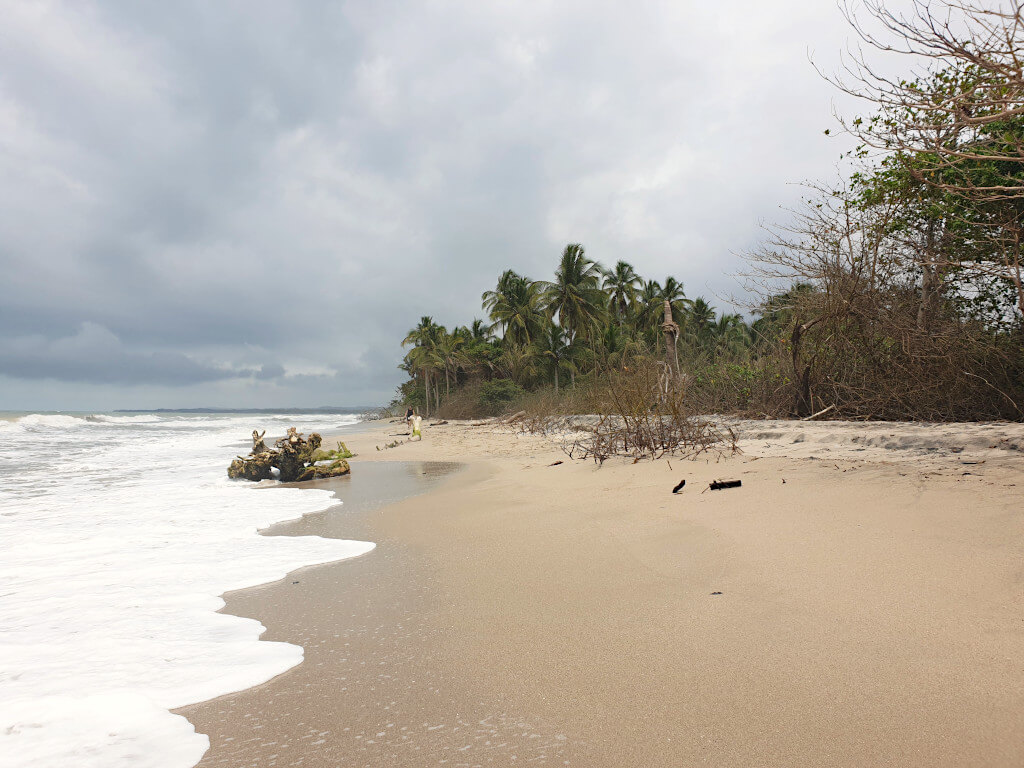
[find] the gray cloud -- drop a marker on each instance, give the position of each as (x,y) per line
(270,371)
(255,201)
(96,355)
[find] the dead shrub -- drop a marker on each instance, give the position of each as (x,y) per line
(643,414)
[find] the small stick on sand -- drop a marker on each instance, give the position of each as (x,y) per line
(822,412)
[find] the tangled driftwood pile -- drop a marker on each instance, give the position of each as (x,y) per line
(295,457)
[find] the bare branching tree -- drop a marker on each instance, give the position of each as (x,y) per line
(961,105)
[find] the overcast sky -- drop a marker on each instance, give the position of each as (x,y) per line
(249,203)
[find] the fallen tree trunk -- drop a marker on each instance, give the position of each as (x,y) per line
(293,456)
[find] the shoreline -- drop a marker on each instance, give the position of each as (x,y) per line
(869,614)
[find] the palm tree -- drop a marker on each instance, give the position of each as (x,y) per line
(647,313)
(622,285)
(699,319)
(613,345)
(448,349)
(555,350)
(519,362)
(575,296)
(650,308)
(731,334)
(672,292)
(479,331)
(514,306)
(477,351)
(422,356)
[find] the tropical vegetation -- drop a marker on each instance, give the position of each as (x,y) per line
(895,292)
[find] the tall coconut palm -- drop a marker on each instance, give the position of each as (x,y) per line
(575,297)
(514,307)
(448,349)
(646,307)
(700,318)
(622,284)
(422,357)
(556,351)
(646,315)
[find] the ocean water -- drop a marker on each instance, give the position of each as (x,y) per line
(118,533)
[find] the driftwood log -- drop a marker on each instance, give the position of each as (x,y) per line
(296,458)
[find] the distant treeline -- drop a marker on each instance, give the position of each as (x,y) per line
(896,293)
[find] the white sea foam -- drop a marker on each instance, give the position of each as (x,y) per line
(106,418)
(110,572)
(38,422)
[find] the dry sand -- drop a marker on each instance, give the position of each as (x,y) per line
(859,601)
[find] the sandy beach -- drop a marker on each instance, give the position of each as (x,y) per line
(859,601)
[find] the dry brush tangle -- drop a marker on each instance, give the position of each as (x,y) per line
(641,416)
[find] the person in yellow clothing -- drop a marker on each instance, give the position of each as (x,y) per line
(416,422)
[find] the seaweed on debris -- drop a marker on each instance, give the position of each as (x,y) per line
(294,456)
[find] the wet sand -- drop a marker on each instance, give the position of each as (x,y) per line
(867,611)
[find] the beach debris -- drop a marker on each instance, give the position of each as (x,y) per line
(555,463)
(718,485)
(716,593)
(341,452)
(822,412)
(679,486)
(439,423)
(293,457)
(515,417)
(258,446)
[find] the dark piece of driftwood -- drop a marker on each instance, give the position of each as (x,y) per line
(294,456)
(718,485)
(679,487)
(555,463)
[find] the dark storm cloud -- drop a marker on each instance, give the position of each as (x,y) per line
(263,197)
